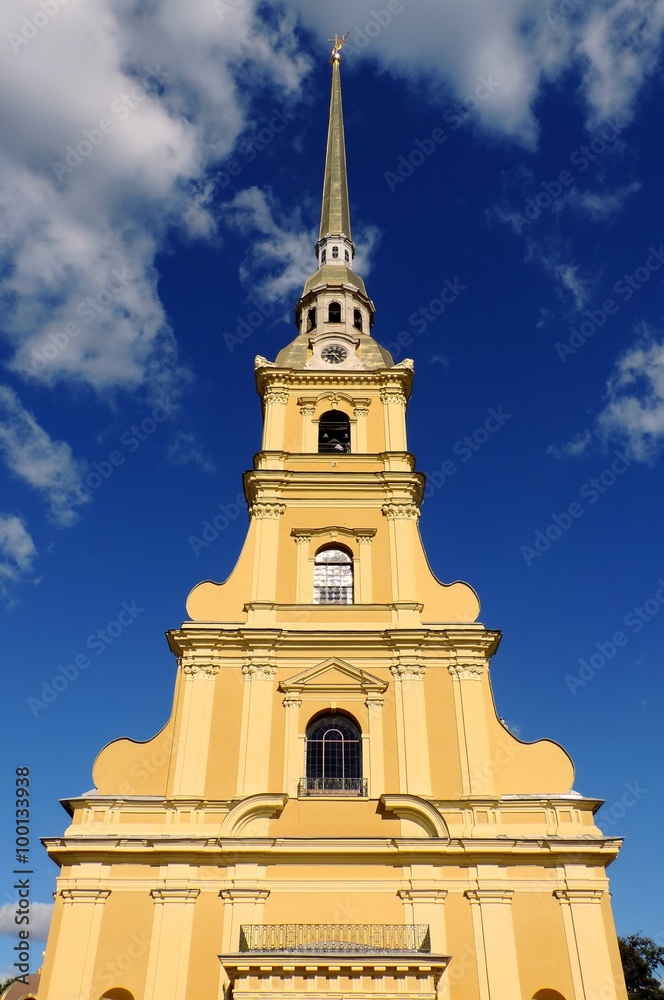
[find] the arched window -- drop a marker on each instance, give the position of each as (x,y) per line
(323,256)
(334,433)
(334,756)
(334,312)
(357,319)
(333,576)
(311,319)
(347,257)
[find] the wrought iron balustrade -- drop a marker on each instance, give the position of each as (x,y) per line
(328,939)
(337,448)
(334,786)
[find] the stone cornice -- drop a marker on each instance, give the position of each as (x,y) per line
(332,531)
(402,851)
(268,376)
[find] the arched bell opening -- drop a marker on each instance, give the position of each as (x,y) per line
(334,433)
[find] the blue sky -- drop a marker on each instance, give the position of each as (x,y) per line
(162,169)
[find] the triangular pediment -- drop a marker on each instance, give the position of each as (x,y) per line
(333,676)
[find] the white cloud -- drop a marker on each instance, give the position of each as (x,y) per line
(184,449)
(566,274)
(522,44)
(601,205)
(633,414)
(17,549)
(32,456)
(578,446)
(40,920)
(96,172)
(619,42)
(282,247)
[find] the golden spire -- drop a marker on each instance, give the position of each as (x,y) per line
(335,216)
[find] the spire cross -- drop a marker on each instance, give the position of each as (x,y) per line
(338,43)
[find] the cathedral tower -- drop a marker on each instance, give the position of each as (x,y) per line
(334,807)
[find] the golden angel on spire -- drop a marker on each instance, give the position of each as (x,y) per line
(337,43)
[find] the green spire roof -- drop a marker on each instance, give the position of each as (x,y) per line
(335,216)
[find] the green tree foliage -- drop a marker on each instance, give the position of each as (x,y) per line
(642,959)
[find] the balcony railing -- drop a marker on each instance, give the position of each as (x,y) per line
(334,938)
(333,786)
(337,448)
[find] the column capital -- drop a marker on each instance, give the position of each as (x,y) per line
(302,539)
(392,394)
(84,895)
(273,511)
(201,665)
(479,896)
(174,895)
(467,668)
(423,895)
(276,394)
(365,539)
(374,700)
(579,895)
(259,671)
(393,511)
(292,701)
(244,895)
(408,671)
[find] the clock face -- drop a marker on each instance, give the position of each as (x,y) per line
(334,354)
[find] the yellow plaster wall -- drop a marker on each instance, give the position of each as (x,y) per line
(537,918)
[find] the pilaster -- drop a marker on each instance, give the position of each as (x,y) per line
(412,740)
(241,906)
(293,756)
(264,582)
(275,399)
(587,945)
(168,961)
(468,683)
(256,726)
(199,670)
(394,404)
(497,966)
(73,971)
(375,704)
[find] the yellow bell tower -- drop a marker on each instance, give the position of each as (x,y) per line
(333,808)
